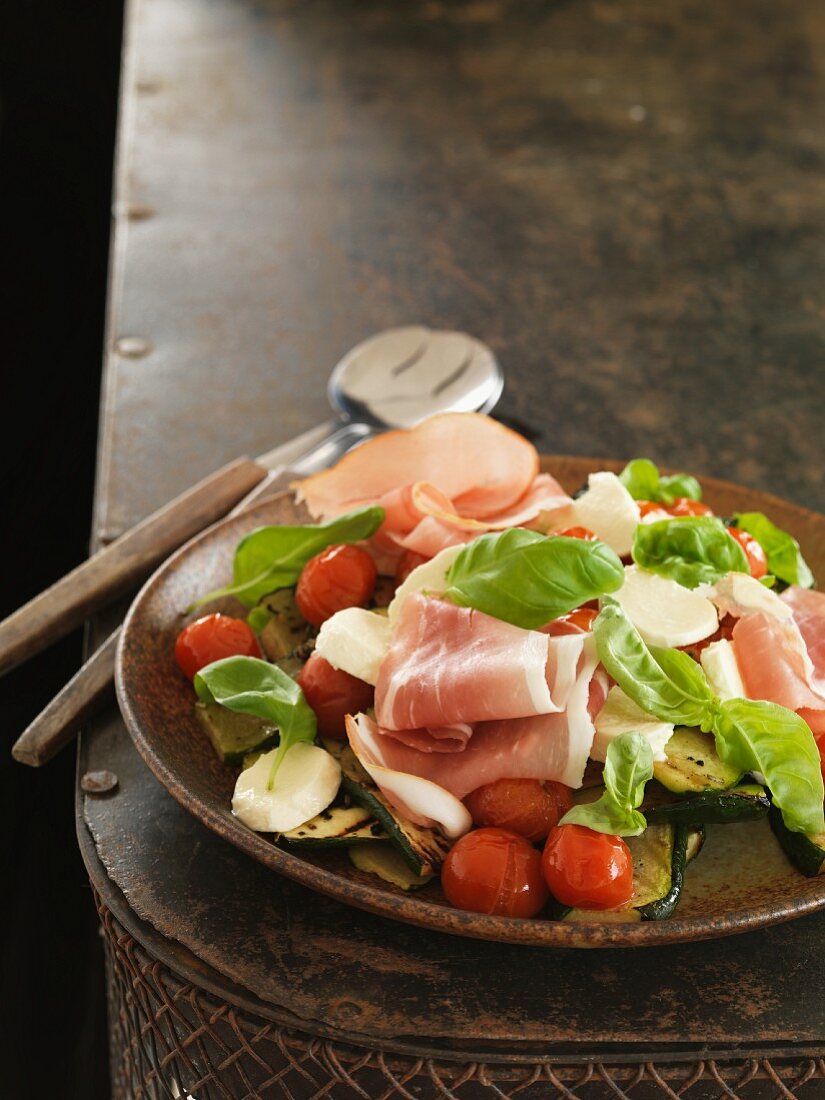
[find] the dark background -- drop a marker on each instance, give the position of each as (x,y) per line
(59,66)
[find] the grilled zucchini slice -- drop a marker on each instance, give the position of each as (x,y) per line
(423,850)
(235,735)
(708,807)
(806,851)
(287,629)
(693,764)
(336,827)
(387,862)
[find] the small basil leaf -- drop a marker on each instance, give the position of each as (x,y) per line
(273,557)
(628,767)
(251,686)
(258,618)
(688,549)
(642,480)
(528,579)
(781,549)
(764,737)
(664,682)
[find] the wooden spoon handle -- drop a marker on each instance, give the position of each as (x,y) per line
(112,571)
(88,691)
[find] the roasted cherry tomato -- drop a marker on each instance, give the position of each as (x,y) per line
(524,806)
(573,622)
(684,506)
(757,559)
(211,638)
(578,533)
(494,871)
(648,506)
(411,560)
(587,869)
(338,577)
(333,694)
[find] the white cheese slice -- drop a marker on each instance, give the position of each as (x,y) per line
(721,668)
(664,612)
(608,510)
(620,715)
(305,784)
(429,577)
(741,594)
(355,641)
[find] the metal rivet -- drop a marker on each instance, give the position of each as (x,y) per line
(132,347)
(134,211)
(98,782)
(148,87)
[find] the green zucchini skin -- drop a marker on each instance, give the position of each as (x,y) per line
(388,863)
(712,807)
(806,852)
(663,907)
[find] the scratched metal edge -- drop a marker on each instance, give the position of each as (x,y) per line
(430,915)
(186,966)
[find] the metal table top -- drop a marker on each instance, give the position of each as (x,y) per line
(625,201)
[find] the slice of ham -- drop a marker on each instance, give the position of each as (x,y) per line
(774,662)
(808,610)
(479,464)
(435,739)
(449,664)
(549,746)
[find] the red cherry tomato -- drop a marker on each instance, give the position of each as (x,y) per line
(211,638)
(757,559)
(333,694)
(578,533)
(524,806)
(411,560)
(587,869)
(684,506)
(648,506)
(494,871)
(573,622)
(338,577)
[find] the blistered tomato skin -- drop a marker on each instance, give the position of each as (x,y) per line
(523,806)
(494,871)
(338,577)
(587,869)
(578,533)
(333,694)
(212,638)
(410,560)
(757,559)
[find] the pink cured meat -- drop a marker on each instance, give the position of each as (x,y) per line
(773,663)
(436,739)
(449,664)
(548,746)
(808,610)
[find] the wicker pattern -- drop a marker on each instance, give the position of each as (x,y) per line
(170,1039)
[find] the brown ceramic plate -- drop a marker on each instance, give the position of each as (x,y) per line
(741,881)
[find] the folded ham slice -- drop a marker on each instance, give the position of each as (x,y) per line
(449,664)
(548,746)
(775,663)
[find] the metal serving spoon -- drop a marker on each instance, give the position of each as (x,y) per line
(392,380)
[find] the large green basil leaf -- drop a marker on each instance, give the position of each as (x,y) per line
(252,686)
(688,549)
(781,549)
(764,737)
(273,557)
(664,682)
(528,579)
(627,768)
(642,480)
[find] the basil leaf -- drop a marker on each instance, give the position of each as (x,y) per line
(688,549)
(258,618)
(664,682)
(251,686)
(642,480)
(781,549)
(628,767)
(273,557)
(757,736)
(528,579)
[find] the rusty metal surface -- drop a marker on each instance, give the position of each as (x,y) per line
(625,200)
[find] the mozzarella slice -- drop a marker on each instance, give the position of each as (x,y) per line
(620,715)
(431,577)
(355,641)
(608,510)
(741,594)
(664,612)
(305,784)
(721,668)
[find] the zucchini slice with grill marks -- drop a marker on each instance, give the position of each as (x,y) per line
(806,851)
(693,764)
(423,850)
(387,862)
(235,735)
(660,855)
(708,807)
(335,827)
(287,629)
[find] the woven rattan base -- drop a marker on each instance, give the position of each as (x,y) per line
(171,1039)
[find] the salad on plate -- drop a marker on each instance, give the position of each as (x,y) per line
(461,671)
